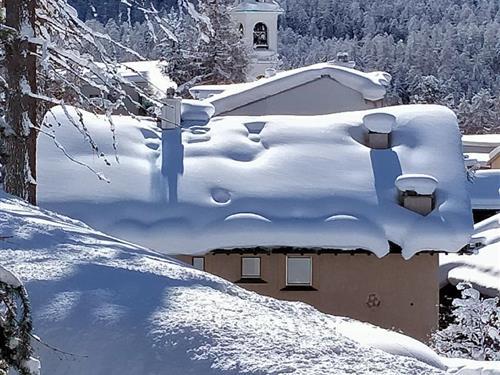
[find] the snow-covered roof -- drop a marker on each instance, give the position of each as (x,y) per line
(210,90)
(372,86)
(485,189)
(482,269)
(152,71)
(481,139)
(301,181)
(257,6)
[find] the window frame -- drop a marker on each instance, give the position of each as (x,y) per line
(203,263)
(243,276)
(310,283)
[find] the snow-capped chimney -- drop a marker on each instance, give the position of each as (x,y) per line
(417,192)
(343,60)
(270,72)
(380,126)
(171,111)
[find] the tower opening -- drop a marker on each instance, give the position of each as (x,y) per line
(260,36)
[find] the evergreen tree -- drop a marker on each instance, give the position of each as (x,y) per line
(215,55)
(224,56)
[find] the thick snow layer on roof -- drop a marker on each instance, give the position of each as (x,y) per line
(152,71)
(481,269)
(485,190)
(490,140)
(371,85)
(263,181)
(195,110)
(124,310)
(257,6)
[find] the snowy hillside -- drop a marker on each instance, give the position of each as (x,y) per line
(262,181)
(481,269)
(125,310)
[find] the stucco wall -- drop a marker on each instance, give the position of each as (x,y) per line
(322,96)
(408,291)
(495,164)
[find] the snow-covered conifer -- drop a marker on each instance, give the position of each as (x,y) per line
(215,55)
(475,330)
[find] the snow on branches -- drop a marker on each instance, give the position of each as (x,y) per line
(475,330)
(15,327)
(44,65)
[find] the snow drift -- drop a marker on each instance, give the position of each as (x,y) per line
(262,181)
(121,309)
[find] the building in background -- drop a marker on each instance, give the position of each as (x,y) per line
(316,89)
(257,21)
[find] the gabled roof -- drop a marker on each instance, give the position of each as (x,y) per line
(299,181)
(372,86)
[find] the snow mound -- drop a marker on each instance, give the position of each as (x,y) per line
(173,191)
(195,110)
(121,309)
(482,269)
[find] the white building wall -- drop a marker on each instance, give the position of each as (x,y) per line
(322,96)
(261,58)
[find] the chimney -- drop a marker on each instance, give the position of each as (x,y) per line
(417,192)
(269,72)
(171,111)
(380,126)
(343,60)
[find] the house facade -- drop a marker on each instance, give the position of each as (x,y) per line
(346,211)
(389,292)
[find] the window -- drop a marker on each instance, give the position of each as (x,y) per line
(298,271)
(199,263)
(250,267)
(260,36)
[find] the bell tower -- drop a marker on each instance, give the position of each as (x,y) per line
(257,21)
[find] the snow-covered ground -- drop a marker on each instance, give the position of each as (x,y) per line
(482,269)
(306,181)
(122,309)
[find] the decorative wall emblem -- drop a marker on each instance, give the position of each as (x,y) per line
(373,301)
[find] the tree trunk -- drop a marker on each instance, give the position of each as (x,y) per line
(20,139)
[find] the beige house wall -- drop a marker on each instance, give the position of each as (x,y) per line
(318,97)
(495,163)
(406,291)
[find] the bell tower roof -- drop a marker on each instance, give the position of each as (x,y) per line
(268,6)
